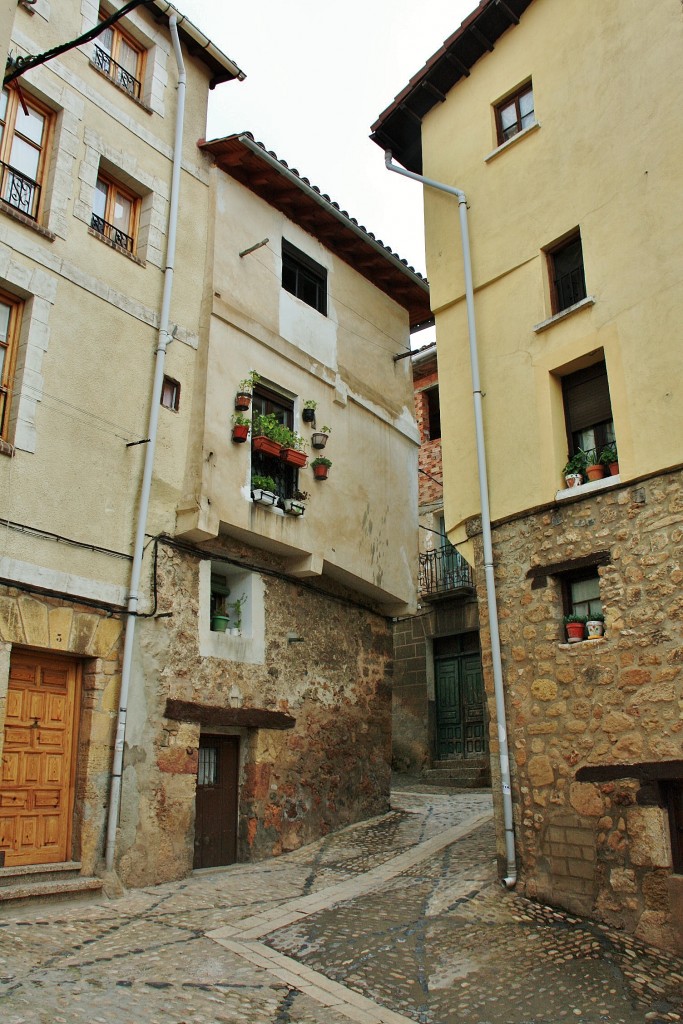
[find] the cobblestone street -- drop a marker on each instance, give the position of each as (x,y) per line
(395,920)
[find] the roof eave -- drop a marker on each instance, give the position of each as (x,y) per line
(222,67)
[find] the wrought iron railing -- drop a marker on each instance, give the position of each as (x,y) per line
(114,234)
(444,570)
(116,72)
(571,288)
(20,191)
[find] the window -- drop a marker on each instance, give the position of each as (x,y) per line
(588,410)
(24,129)
(565,268)
(9,330)
(673,794)
(265,402)
(303,277)
(515,113)
(582,593)
(115,213)
(119,57)
(232,597)
(433,413)
(170,394)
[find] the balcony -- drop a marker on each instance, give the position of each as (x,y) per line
(20,191)
(114,234)
(444,572)
(116,72)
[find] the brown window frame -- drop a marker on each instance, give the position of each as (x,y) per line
(8,130)
(113,185)
(577,576)
(9,363)
(265,401)
(172,386)
(119,35)
(603,426)
(565,295)
(513,97)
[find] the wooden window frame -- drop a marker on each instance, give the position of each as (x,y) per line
(306,270)
(557,304)
(10,346)
(266,400)
(514,97)
(114,185)
(118,35)
(566,580)
(14,103)
(175,385)
(600,425)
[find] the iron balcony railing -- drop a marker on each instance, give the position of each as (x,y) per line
(116,72)
(114,234)
(570,288)
(20,191)
(444,570)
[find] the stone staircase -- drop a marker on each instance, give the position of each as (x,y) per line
(456,773)
(45,882)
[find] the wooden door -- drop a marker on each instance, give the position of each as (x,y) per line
(215,829)
(460,707)
(36,782)
(449,724)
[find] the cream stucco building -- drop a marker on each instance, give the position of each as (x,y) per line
(557,124)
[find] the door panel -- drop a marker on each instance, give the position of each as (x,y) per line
(215,836)
(36,789)
(460,707)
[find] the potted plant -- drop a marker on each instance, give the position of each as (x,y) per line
(594,469)
(236,615)
(219,622)
(245,390)
(293,447)
(294,506)
(319,438)
(241,425)
(575,626)
(263,490)
(610,458)
(308,414)
(595,625)
(574,470)
(320,467)
(266,433)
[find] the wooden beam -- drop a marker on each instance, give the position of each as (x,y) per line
(207,714)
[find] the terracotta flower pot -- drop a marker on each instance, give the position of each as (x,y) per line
(614,468)
(240,433)
(264,444)
(293,457)
(320,472)
(575,631)
(595,471)
(242,400)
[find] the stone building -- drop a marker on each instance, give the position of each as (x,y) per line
(86,162)
(439,725)
(576,254)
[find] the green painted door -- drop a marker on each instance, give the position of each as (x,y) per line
(460,707)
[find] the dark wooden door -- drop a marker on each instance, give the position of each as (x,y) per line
(215,830)
(460,707)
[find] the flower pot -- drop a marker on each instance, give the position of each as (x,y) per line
(266,445)
(614,468)
(235,631)
(293,507)
(320,472)
(319,440)
(575,631)
(595,471)
(240,433)
(594,629)
(293,457)
(262,497)
(219,623)
(308,415)
(242,400)
(573,479)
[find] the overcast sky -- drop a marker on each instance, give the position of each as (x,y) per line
(318,75)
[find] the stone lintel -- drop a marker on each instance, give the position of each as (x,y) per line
(569,565)
(646,771)
(205,714)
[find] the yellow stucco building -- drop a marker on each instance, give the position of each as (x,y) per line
(557,123)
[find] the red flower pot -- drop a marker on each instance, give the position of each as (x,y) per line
(265,445)
(242,400)
(320,472)
(575,631)
(595,471)
(240,433)
(293,457)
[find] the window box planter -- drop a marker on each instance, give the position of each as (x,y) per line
(293,507)
(293,457)
(263,497)
(264,444)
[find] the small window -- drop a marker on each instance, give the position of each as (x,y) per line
(673,795)
(582,594)
(515,113)
(24,129)
(231,601)
(170,394)
(588,411)
(9,330)
(120,57)
(433,413)
(115,213)
(565,268)
(303,277)
(264,403)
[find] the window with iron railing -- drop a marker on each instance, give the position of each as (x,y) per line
(24,131)
(120,57)
(115,213)
(567,278)
(443,570)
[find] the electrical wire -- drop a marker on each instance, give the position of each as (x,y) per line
(40,394)
(36,531)
(429,475)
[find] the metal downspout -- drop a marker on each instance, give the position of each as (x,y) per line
(163,341)
(506,792)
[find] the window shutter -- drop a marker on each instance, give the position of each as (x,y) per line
(586,397)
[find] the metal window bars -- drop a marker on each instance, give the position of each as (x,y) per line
(444,570)
(112,233)
(20,191)
(116,72)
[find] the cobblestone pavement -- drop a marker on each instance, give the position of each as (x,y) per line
(393,921)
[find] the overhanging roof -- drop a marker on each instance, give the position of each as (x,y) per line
(259,170)
(399,127)
(198,45)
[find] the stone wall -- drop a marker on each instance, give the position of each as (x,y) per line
(331,769)
(595,847)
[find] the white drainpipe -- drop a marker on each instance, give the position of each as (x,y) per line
(164,340)
(511,877)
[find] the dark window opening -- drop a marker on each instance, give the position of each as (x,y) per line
(588,411)
(220,591)
(170,394)
(265,402)
(303,277)
(581,593)
(433,413)
(515,113)
(567,279)
(673,795)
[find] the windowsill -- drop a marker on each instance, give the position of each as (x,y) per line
(27,221)
(117,248)
(513,141)
(112,81)
(597,641)
(591,487)
(563,314)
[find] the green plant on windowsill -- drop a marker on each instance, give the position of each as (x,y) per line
(236,611)
(290,439)
(263,483)
(576,465)
(575,618)
(267,425)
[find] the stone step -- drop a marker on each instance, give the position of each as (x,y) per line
(39,872)
(455,763)
(49,882)
(467,775)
